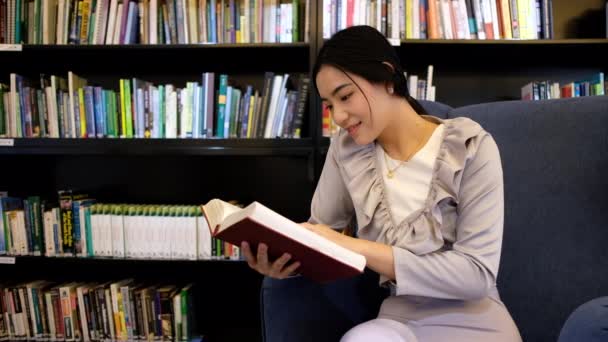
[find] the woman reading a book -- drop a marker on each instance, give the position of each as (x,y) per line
(426,195)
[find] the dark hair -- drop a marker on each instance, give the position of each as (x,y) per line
(362,50)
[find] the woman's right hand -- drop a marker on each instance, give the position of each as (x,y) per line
(261,264)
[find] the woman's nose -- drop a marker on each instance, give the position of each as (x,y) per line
(340,116)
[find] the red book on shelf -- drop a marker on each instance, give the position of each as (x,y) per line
(320,259)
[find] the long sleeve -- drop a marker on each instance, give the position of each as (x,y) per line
(469,270)
(331,202)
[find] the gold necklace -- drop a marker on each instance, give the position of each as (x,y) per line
(391,173)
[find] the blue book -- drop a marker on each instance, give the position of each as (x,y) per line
(90,111)
(212,21)
(79,226)
(228,112)
(77,115)
(99,114)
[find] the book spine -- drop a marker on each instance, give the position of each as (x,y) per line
(67,225)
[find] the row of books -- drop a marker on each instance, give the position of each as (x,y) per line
(544,90)
(443,19)
(124,310)
(82,227)
(60,107)
(418,87)
(153,21)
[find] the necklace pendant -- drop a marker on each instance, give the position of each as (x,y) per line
(389,174)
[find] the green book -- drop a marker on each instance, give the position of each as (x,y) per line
(128,115)
(234,112)
(221,106)
(88,228)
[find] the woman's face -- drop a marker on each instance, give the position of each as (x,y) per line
(348,106)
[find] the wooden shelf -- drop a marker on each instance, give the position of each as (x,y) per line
(108,146)
(129,60)
(506,41)
(475,55)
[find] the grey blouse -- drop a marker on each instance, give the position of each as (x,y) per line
(450,248)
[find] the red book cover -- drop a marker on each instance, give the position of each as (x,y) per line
(320,260)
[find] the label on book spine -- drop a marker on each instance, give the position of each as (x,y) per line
(394,41)
(7,142)
(11,47)
(7,260)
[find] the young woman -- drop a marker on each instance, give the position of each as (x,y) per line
(426,196)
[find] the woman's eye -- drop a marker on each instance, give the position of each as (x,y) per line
(345,97)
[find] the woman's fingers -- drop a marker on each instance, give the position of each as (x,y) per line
(260,263)
(278,265)
(262,259)
(289,269)
(251,261)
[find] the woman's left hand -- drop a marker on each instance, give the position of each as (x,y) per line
(328,233)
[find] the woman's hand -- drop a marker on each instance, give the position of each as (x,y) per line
(261,264)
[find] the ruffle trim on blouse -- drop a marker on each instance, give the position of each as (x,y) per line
(419,232)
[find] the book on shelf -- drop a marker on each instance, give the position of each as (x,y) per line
(595,85)
(444,19)
(320,259)
(75,225)
(123,310)
(86,22)
(75,107)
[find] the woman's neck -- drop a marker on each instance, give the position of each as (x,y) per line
(406,134)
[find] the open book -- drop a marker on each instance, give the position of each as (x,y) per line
(320,259)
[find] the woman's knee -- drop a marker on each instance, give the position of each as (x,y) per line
(589,322)
(379,330)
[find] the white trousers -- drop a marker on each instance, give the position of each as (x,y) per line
(417,319)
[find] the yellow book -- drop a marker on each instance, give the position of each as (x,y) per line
(251,111)
(506,19)
(83,115)
(409,16)
(123,118)
(84,26)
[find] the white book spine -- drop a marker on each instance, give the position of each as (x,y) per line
(50,316)
(49,239)
(204,236)
(110,313)
(83,316)
(446,19)
(96,230)
(429,81)
(166,237)
(117,24)
(192,243)
(495,19)
(171,125)
(415,19)
(153,22)
(112,16)
(60,20)
(118,241)
(142,241)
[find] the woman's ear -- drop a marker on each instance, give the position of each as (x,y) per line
(390,87)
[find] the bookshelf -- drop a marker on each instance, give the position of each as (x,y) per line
(279,172)
(472,71)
